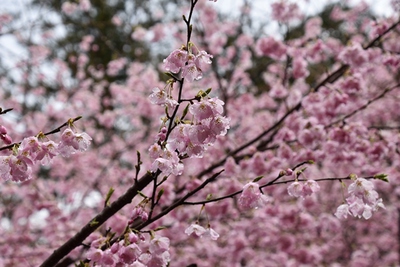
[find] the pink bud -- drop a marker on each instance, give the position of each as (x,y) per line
(6,139)
(3,130)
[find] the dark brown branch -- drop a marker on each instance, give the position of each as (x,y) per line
(178,202)
(98,220)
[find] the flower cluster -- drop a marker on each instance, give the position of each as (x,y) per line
(361,202)
(190,139)
(251,196)
(187,62)
(297,189)
(18,166)
(162,98)
(201,231)
(134,250)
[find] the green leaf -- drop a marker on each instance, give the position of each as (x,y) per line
(160,228)
(209,197)
(382,177)
(185,111)
(160,193)
(258,178)
(108,196)
(142,194)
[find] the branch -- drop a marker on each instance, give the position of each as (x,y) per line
(369,102)
(270,184)
(98,220)
(58,129)
(177,203)
(333,77)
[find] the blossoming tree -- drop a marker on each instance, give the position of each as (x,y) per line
(241,149)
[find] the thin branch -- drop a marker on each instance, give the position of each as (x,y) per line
(333,77)
(178,202)
(270,184)
(369,102)
(98,220)
(58,129)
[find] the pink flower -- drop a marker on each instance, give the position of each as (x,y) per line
(195,228)
(176,60)
(160,97)
(129,254)
(342,211)
(300,68)
(5,169)
(362,200)
(95,255)
(159,244)
(192,72)
(284,12)
(212,234)
(48,150)
(138,212)
(355,56)
(72,142)
(20,168)
(168,163)
(271,47)
(295,189)
(309,187)
(251,196)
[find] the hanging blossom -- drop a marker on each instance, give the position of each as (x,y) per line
(18,166)
(252,197)
(362,200)
(187,62)
(72,142)
(200,231)
(301,190)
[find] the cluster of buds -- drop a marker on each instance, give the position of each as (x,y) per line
(18,166)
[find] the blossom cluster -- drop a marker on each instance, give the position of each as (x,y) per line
(187,62)
(133,250)
(252,197)
(18,166)
(200,231)
(190,139)
(186,138)
(362,200)
(301,190)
